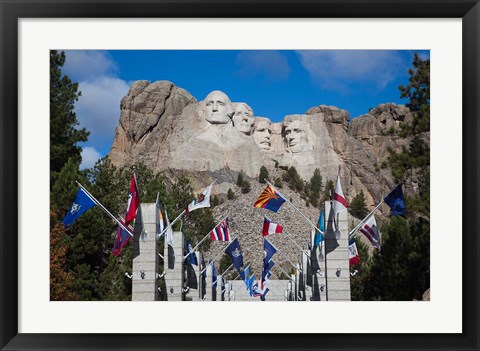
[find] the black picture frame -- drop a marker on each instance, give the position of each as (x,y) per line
(12,11)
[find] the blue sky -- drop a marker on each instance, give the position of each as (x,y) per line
(273,83)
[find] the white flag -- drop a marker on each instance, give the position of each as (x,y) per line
(339,202)
(169,234)
(203,200)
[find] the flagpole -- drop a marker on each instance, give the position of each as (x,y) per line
(291,263)
(171,223)
(180,215)
(221,252)
(295,208)
(301,249)
(238,276)
(221,275)
(288,275)
(350,235)
(204,238)
(129,231)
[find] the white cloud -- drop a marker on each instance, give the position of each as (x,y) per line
(337,69)
(88,64)
(271,64)
(98,108)
(89,157)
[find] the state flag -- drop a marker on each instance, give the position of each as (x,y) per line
(352,253)
(370,230)
(396,202)
(221,231)
(318,238)
(191,258)
(268,251)
(339,202)
(169,233)
(80,205)
(121,239)
(269,199)
(271,228)
(133,201)
(158,216)
(233,250)
(203,200)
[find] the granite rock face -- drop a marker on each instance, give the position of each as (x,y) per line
(167,128)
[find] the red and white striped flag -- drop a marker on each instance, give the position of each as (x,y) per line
(339,202)
(221,232)
(271,228)
(370,230)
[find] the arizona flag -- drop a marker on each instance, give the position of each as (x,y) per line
(271,228)
(370,230)
(221,232)
(352,253)
(339,202)
(133,202)
(203,200)
(269,199)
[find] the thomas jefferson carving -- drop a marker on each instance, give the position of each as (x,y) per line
(243,118)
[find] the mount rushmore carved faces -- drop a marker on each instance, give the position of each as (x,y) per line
(296,135)
(261,132)
(243,118)
(218,108)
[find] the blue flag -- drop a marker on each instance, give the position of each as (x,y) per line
(204,273)
(264,293)
(321,225)
(81,204)
(251,284)
(233,250)
(214,275)
(246,272)
(268,250)
(396,202)
(192,258)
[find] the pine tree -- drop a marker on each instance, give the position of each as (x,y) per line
(315,187)
(263,175)
(64,137)
(230,194)
(358,208)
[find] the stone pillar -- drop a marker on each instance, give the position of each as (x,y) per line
(173,258)
(208,284)
(336,256)
(319,291)
(218,291)
(307,275)
(294,285)
(145,258)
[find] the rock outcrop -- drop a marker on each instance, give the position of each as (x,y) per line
(167,128)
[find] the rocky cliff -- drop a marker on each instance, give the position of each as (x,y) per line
(167,128)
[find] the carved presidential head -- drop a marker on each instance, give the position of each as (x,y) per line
(296,134)
(262,132)
(217,107)
(243,118)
